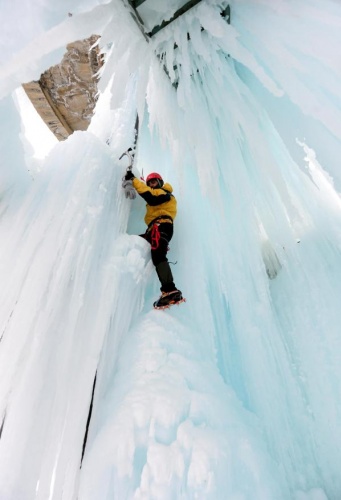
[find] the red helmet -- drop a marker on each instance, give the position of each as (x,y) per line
(156,176)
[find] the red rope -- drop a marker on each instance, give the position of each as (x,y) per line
(155,237)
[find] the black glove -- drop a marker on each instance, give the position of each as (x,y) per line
(129,175)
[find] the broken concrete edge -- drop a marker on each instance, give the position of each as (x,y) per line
(66,94)
(46,110)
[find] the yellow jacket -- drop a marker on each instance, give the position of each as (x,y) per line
(160,201)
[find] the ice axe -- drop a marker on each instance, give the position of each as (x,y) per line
(128,185)
(130,153)
(131,158)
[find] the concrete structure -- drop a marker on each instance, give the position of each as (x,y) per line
(66,94)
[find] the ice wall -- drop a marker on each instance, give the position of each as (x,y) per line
(235,394)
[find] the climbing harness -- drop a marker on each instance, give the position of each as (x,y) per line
(155,236)
(154,231)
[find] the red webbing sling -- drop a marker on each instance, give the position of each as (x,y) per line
(155,236)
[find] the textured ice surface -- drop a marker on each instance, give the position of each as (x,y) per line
(236,393)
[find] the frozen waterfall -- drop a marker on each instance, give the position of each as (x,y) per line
(235,394)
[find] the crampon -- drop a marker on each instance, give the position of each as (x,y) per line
(169,299)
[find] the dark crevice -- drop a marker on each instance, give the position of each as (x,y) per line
(88,420)
(2,424)
(226,13)
(178,13)
(137,3)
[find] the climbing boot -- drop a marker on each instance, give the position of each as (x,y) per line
(168,299)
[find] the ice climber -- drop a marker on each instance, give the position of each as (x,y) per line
(161,211)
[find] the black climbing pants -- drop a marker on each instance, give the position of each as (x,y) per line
(159,255)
